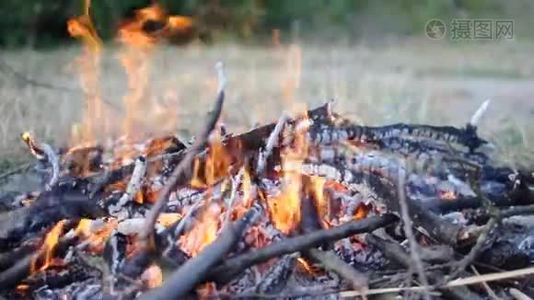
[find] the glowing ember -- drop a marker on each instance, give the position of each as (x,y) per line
(95,235)
(167,219)
(203,232)
(152,277)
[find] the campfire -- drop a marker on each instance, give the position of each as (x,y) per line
(311,205)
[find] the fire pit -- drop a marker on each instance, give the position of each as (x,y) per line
(312,205)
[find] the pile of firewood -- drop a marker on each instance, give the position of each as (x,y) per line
(310,206)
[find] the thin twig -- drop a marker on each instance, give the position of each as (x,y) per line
(184,167)
(272,141)
(195,269)
(486,286)
(475,251)
(518,295)
(24,79)
(407,226)
(233,266)
(15,170)
(476,279)
(330,261)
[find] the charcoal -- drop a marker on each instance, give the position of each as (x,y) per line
(276,277)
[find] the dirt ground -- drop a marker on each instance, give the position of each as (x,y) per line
(418,81)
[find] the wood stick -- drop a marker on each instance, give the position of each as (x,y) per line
(194,271)
(476,279)
(331,262)
(133,185)
(233,266)
(408,231)
(10,277)
(397,253)
(185,166)
(271,143)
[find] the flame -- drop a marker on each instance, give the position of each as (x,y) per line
(22,289)
(168,219)
(89,65)
(285,208)
(307,266)
(32,145)
(362,211)
(149,27)
(316,189)
(49,244)
(292,79)
(213,168)
(203,232)
(246,186)
(152,277)
(95,237)
(152,24)
(179,24)
(135,61)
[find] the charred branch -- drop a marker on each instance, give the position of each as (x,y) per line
(229,268)
(183,170)
(195,270)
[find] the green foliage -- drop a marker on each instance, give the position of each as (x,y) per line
(42,22)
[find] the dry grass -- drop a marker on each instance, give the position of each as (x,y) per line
(408,81)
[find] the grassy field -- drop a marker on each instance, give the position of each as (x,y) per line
(419,81)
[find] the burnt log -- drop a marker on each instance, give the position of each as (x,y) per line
(64,201)
(231,267)
(195,270)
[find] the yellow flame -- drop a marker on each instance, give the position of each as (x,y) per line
(203,232)
(292,78)
(89,66)
(285,208)
(152,277)
(95,237)
(49,244)
(213,168)
(168,219)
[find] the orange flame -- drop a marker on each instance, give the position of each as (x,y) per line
(152,277)
(285,208)
(167,219)
(203,232)
(89,65)
(291,82)
(95,237)
(152,24)
(49,244)
(213,168)
(316,189)
(362,211)
(149,26)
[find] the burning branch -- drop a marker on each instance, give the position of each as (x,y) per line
(134,185)
(195,270)
(185,166)
(271,143)
(45,153)
(231,267)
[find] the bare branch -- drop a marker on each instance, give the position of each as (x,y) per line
(233,266)
(185,166)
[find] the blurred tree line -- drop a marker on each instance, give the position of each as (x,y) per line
(41,23)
